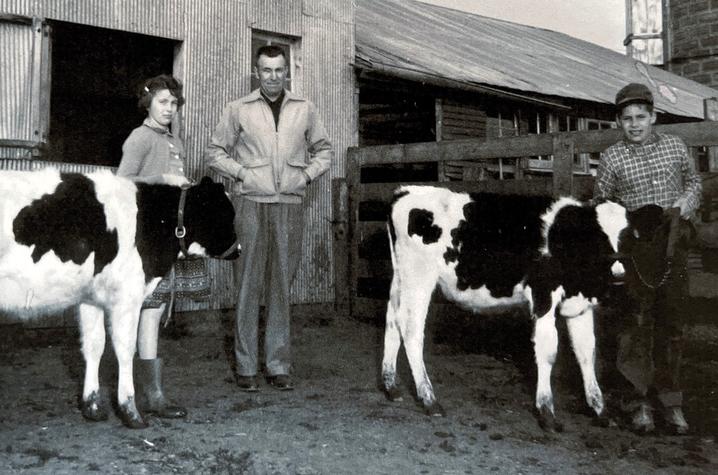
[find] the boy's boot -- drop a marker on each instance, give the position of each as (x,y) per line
(675,420)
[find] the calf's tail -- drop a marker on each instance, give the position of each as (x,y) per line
(394,294)
(391,235)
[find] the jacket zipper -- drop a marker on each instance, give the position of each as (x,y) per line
(278,165)
(276,159)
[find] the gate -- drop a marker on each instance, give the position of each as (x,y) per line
(362,201)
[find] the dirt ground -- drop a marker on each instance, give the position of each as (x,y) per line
(337,421)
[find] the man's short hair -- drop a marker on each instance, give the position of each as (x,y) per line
(271,51)
(634,93)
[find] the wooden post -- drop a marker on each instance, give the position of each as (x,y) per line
(342,245)
(710,112)
(353,171)
(439,124)
(563,147)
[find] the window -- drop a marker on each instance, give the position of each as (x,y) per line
(96,73)
(644,22)
(289,45)
(590,160)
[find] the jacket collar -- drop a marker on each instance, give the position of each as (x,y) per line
(653,138)
(156,127)
(256,95)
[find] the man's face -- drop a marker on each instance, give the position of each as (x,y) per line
(636,121)
(272,73)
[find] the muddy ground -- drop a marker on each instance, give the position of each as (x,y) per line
(337,421)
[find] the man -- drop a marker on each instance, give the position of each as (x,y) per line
(261,142)
(645,168)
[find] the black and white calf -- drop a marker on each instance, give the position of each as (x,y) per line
(101,242)
(488,251)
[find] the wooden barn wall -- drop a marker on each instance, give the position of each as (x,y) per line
(214,62)
(457,120)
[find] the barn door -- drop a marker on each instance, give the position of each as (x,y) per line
(24,86)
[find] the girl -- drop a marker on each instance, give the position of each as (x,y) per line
(153,154)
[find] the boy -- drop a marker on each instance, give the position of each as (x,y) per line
(645,168)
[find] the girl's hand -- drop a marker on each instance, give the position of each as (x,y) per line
(176,180)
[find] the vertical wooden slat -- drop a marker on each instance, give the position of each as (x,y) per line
(35,76)
(341,243)
(439,119)
(45,81)
(353,169)
(710,108)
(563,149)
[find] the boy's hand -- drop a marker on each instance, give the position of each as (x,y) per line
(682,203)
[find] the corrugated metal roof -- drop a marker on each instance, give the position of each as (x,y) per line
(436,44)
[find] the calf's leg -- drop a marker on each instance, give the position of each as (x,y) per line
(416,290)
(392,342)
(125,320)
(92,332)
(545,341)
(583,340)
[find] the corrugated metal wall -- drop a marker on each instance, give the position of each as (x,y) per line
(25,164)
(327,49)
(214,61)
(163,18)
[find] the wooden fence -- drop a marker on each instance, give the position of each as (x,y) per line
(362,201)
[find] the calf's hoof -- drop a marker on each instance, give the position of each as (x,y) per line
(547,421)
(393,393)
(131,417)
(434,410)
(602,420)
(92,408)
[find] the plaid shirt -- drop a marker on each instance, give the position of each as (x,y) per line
(658,172)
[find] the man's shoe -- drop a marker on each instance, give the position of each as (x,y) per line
(281,381)
(675,421)
(247,384)
(642,422)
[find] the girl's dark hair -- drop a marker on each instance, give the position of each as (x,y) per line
(152,85)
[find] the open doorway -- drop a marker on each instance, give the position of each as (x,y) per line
(96,73)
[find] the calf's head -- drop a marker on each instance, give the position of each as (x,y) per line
(209,221)
(612,219)
(647,244)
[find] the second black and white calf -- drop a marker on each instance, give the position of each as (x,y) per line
(488,251)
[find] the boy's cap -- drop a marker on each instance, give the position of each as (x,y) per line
(634,92)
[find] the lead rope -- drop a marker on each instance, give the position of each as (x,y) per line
(675,215)
(666,274)
(170,307)
(180,233)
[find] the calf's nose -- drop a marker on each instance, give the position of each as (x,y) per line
(618,270)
